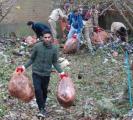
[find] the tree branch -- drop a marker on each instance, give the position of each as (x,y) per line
(121,13)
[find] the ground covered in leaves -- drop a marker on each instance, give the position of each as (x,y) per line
(100,81)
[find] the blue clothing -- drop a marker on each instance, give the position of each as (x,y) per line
(70,18)
(38,28)
(76,21)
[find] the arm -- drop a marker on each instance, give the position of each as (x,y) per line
(55,61)
(80,24)
(62,14)
(33,55)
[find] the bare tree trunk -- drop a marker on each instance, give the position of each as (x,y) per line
(121,13)
(6,10)
(129,9)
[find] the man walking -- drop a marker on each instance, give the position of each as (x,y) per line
(44,55)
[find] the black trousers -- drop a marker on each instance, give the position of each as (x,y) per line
(40,85)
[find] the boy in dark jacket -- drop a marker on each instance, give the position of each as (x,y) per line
(38,28)
(44,55)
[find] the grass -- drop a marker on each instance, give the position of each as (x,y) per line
(99,81)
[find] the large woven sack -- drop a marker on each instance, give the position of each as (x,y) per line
(100,37)
(71,46)
(21,87)
(66,92)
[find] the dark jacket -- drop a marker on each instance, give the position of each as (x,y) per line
(38,28)
(42,58)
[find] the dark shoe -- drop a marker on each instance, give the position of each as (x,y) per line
(42,113)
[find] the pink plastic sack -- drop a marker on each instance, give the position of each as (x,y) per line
(21,87)
(66,92)
(30,40)
(100,37)
(71,45)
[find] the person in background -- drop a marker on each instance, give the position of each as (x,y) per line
(95,14)
(119,30)
(76,22)
(56,14)
(43,56)
(88,28)
(38,28)
(63,22)
(66,8)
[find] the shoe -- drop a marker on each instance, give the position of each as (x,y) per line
(42,113)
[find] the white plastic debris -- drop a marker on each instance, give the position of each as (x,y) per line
(105,60)
(33,103)
(5,56)
(63,62)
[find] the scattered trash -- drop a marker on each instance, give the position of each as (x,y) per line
(3,55)
(18,7)
(63,62)
(71,45)
(113,60)
(115,54)
(105,60)
(100,37)
(30,40)
(33,103)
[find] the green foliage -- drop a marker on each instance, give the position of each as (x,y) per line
(2,110)
(24,31)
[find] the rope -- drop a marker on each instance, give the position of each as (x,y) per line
(128,78)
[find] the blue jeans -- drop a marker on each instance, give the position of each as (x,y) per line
(73,31)
(40,85)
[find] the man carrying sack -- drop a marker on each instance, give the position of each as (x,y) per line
(44,55)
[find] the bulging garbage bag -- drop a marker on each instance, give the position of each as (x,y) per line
(66,92)
(71,45)
(100,37)
(21,87)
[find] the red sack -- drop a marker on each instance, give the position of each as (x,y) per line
(100,37)
(66,92)
(20,87)
(55,42)
(30,40)
(71,45)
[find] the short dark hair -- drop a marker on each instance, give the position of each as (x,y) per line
(30,23)
(75,10)
(47,32)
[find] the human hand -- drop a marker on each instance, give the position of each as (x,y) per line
(20,69)
(62,75)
